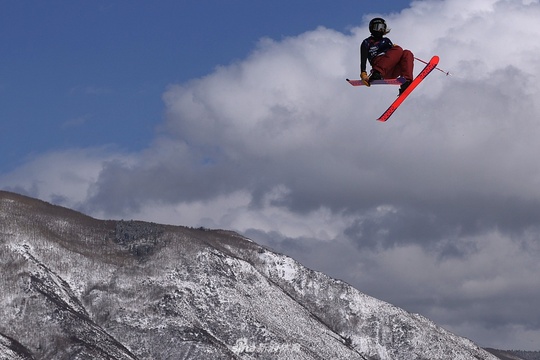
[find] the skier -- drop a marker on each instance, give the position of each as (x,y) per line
(387,60)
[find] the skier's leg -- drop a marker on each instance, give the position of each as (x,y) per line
(404,66)
(386,63)
(407,64)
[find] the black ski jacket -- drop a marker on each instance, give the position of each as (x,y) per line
(371,48)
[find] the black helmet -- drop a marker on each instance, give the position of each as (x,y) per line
(377,26)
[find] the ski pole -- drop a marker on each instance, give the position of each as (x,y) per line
(425,62)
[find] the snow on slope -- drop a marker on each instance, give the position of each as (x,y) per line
(76,287)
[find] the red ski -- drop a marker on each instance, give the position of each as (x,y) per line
(432,64)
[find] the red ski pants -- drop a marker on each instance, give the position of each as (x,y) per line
(395,62)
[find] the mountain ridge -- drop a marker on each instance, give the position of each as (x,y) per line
(138,290)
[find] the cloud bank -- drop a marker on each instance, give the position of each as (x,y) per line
(436,211)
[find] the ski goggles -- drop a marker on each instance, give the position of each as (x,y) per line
(378,27)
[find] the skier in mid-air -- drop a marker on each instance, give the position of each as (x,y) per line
(387,60)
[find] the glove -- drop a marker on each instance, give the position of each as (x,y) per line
(365,78)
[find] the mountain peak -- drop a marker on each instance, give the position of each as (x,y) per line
(77,287)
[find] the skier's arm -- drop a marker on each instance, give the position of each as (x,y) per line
(363,60)
(363,56)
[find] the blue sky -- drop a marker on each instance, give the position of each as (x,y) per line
(236,115)
(83,73)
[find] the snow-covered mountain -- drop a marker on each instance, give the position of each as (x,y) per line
(73,287)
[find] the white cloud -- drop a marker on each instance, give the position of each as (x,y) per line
(62,177)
